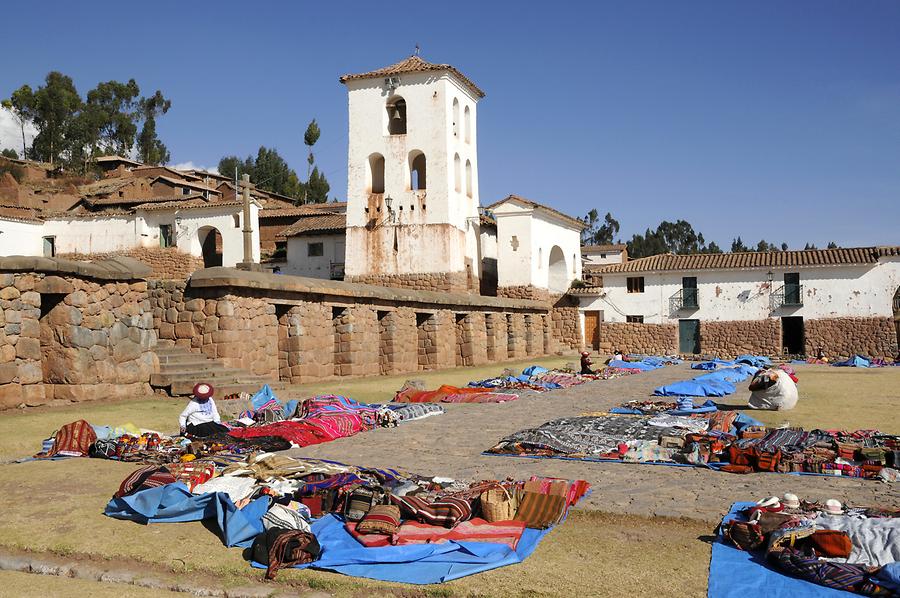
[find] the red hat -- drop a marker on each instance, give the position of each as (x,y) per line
(585,353)
(203,390)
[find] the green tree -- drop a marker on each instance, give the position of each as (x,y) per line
(669,237)
(784,246)
(832,245)
(310,137)
(317,188)
(809,246)
(53,109)
(737,246)
(21,104)
(9,153)
(268,171)
(596,233)
(110,117)
(713,248)
(150,148)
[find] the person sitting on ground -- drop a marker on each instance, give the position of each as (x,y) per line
(200,417)
(586,363)
(820,355)
(619,355)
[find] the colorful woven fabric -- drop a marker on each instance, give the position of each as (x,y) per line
(73,440)
(839,576)
(443,511)
(151,476)
(540,511)
(474,530)
(381,519)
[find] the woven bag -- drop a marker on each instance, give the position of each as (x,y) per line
(497,504)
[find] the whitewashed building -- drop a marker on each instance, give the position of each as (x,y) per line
(538,248)
(790,302)
(315,247)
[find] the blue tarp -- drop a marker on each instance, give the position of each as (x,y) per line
(415,563)
(695,388)
(854,362)
(174,503)
(418,564)
(534,370)
(758,361)
(644,365)
(735,573)
(738,373)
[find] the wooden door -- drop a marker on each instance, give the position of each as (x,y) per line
(689,336)
(592,329)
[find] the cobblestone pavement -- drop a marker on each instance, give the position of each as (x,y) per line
(451,445)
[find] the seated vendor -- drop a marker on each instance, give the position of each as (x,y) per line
(200,417)
(820,355)
(586,363)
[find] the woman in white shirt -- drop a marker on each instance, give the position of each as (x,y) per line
(200,417)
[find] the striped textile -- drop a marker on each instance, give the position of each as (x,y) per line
(282,517)
(443,511)
(381,519)
(151,476)
(540,511)
(74,440)
(839,576)
(475,530)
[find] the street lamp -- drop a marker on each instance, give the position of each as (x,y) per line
(388,203)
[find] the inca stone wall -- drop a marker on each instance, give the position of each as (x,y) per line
(306,342)
(241,331)
(658,339)
(845,337)
(472,340)
(495,336)
(451,282)
(730,339)
(565,322)
(524,292)
(71,331)
(165,262)
(515,334)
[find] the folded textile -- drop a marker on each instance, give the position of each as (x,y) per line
(876,541)
(237,488)
(282,517)
(444,511)
(411,412)
(474,530)
(540,511)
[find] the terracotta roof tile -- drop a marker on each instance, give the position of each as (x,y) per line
(124,201)
(729,261)
(539,206)
(187,205)
(614,247)
(414,64)
(316,224)
(288,212)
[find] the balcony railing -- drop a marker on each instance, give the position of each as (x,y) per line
(337,271)
(789,295)
(684,299)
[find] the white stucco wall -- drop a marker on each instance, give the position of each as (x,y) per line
(526,261)
(602,258)
(726,295)
(190,222)
(300,263)
(92,235)
(21,238)
(429,99)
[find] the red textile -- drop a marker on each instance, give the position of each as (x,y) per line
(316,430)
(474,530)
(453,394)
(74,440)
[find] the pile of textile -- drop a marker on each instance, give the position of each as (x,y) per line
(297,512)
(453,394)
(725,440)
(858,361)
(850,549)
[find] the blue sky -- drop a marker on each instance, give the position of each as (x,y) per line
(765,119)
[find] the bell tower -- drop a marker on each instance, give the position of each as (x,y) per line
(412,183)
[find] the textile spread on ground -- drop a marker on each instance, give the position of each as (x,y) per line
(770,544)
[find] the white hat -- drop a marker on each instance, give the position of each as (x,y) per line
(833,507)
(791,501)
(770,503)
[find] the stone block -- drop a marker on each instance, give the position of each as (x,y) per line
(10,396)
(76,299)
(79,336)
(224,308)
(28,348)
(7,353)
(30,372)
(34,395)
(53,285)
(31,328)
(230,323)
(13,316)
(31,298)
(8,372)
(195,305)
(184,330)
(126,350)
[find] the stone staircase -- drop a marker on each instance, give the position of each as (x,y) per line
(180,370)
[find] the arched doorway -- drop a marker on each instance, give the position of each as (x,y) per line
(211,246)
(558,281)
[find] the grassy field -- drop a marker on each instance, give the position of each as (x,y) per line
(593,553)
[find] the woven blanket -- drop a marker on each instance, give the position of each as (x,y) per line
(592,435)
(476,530)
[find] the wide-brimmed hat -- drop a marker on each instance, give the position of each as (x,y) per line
(585,353)
(791,501)
(203,390)
(833,507)
(770,504)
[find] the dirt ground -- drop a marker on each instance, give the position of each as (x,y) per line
(644,526)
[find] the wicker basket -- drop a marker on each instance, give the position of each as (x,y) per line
(497,504)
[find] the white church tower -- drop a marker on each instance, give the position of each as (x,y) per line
(412,189)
